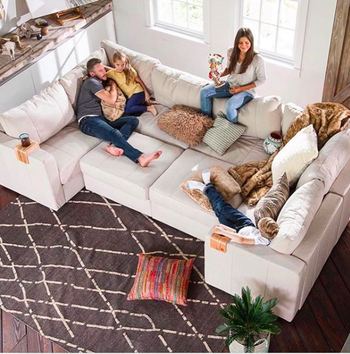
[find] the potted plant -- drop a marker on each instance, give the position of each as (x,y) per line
(249,323)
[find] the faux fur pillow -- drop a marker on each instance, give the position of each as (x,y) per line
(221,179)
(271,204)
(185,124)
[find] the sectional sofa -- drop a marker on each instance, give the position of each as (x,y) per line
(311,221)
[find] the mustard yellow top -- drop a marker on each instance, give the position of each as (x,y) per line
(120,79)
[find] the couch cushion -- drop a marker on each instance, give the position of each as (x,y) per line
(148,126)
(296,155)
(167,193)
(124,175)
(290,112)
(297,215)
(42,116)
(262,115)
(173,87)
(245,149)
(71,83)
(331,160)
(67,147)
(142,63)
(99,54)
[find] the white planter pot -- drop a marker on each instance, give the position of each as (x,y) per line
(261,346)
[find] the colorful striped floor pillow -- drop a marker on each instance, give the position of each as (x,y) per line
(160,278)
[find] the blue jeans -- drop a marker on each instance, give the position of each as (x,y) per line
(116,132)
(225,212)
(235,102)
(135,105)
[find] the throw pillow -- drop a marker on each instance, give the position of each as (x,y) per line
(222,181)
(296,155)
(114,111)
(71,83)
(223,134)
(185,124)
(271,204)
(160,278)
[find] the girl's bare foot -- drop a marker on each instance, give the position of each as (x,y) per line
(151,101)
(145,159)
(113,150)
(152,109)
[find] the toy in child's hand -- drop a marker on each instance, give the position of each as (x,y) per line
(215,62)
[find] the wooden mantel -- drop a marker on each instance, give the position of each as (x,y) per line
(57,35)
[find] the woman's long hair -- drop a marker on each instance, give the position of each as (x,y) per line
(129,75)
(242,32)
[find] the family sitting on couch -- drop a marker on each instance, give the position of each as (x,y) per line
(245,69)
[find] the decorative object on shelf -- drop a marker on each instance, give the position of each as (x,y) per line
(10,47)
(43,25)
(24,30)
(2,11)
(39,36)
(10,44)
(272,142)
(215,62)
(61,8)
(249,323)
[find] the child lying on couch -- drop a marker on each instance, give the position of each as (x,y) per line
(244,229)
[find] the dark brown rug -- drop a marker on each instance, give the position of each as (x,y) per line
(67,274)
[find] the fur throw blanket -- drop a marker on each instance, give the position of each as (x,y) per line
(327,118)
(114,111)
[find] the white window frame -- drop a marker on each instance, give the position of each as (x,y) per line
(296,60)
(152,21)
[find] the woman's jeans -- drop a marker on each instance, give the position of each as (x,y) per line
(225,212)
(236,101)
(136,105)
(116,132)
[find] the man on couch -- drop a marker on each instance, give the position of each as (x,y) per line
(92,122)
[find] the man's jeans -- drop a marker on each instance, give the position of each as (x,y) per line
(224,211)
(116,132)
(236,101)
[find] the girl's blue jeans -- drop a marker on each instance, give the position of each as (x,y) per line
(116,132)
(235,102)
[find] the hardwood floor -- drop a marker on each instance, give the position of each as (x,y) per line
(322,325)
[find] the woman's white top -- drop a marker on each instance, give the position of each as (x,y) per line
(254,73)
(251,232)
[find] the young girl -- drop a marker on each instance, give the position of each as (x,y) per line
(138,97)
(246,70)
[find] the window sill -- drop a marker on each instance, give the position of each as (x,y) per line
(292,70)
(175,34)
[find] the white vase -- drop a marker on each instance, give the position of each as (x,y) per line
(272,142)
(260,346)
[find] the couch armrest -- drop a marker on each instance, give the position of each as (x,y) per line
(265,271)
(39,180)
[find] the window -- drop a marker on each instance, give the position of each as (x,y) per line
(277,26)
(185,16)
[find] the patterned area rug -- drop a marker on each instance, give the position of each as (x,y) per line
(67,274)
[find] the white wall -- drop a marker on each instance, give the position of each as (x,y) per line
(301,87)
(16,13)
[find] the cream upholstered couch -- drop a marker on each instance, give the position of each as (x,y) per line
(311,221)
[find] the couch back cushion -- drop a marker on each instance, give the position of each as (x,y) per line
(296,216)
(262,115)
(290,112)
(142,63)
(42,116)
(331,160)
(173,87)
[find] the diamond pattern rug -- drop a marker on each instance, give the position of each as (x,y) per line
(67,274)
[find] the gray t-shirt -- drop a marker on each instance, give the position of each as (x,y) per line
(88,103)
(254,73)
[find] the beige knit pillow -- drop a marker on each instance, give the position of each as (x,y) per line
(185,124)
(222,181)
(114,111)
(271,204)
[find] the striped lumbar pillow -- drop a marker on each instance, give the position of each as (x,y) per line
(160,278)
(223,134)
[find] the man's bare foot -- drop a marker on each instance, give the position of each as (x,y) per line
(113,150)
(145,159)
(152,109)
